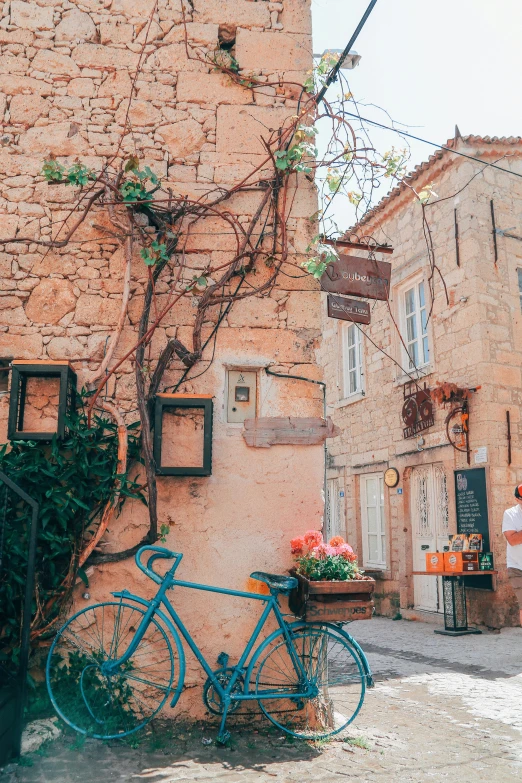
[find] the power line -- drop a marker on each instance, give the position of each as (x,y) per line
(432,143)
(332,76)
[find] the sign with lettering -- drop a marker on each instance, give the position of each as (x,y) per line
(417,411)
(357,277)
(472,513)
(348,309)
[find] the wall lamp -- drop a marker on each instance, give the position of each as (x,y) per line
(351,61)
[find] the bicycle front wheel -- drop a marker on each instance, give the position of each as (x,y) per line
(102,703)
(333,673)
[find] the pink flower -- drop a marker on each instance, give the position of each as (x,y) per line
(323,550)
(297,545)
(346,551)
(313,538)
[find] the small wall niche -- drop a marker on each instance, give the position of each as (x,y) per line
(43,395)
(183,435)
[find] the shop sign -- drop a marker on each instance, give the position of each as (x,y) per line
(471,499)
(417,411)
(348,309)
(356,276)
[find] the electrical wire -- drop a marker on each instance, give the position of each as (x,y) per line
(432,144)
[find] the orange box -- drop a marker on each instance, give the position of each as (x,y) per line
(434,561)
(460,561)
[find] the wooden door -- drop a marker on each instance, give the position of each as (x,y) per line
(429,514)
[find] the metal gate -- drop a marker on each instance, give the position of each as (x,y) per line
(18,528)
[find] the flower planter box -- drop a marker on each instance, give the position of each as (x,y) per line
(337,602)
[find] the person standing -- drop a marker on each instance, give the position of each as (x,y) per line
(512,529)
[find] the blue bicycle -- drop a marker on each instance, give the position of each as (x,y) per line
(112,666)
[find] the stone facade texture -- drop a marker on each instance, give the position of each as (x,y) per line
(475,342)
(66,71)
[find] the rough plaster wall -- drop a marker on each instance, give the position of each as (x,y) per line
(65,77)
(475,342)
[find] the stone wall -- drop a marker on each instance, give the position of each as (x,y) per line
(66,70)
(474,342)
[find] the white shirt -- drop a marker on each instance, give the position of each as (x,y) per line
(513,521)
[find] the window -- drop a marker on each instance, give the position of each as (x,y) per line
(519,273)
(352,360)
(416,326)
(373,521)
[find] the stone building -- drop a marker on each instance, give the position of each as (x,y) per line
(66,71)
(471,339)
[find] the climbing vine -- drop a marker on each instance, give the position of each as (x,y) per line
(72,481)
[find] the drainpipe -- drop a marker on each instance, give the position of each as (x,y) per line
(322,384)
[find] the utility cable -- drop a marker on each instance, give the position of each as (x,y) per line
(332,76)
(432,144)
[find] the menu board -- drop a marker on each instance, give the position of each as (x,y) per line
(471,499)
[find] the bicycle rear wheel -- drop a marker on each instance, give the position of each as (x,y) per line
(101,705)
(332,669)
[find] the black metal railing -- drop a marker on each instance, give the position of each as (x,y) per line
(18,533)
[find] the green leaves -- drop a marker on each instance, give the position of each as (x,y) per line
(137,187)
(52,170)
(156,252)
(332,568)
(77,174)
(80,175)
(323,255)
(297,157)
(71,480)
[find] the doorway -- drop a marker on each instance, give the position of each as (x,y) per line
(430,531)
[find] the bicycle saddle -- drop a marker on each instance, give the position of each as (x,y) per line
(275,582)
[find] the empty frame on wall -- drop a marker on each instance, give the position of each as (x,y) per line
(183,434)
(43,395)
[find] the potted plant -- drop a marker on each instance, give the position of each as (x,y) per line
(331,586)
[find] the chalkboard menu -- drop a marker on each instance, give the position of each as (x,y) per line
(472,514)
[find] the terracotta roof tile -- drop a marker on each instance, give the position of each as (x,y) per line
(421,168)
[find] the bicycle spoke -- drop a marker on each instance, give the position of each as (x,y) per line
(99,700)
(334,679)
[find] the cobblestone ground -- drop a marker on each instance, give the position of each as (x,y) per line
(443,709)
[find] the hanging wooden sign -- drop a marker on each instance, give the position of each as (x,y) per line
(348,309)
(417,411)
(357,277)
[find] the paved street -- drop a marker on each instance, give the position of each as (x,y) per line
(442,709)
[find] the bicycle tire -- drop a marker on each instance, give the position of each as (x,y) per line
(332,665)
(116,705)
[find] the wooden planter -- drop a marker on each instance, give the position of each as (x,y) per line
(335,602)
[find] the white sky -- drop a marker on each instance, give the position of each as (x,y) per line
(431,64)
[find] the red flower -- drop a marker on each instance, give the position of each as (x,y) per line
(297,545)
(337,541)
(313,538)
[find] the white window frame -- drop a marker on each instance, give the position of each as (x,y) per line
(351,354)
(414,327)
(380,561)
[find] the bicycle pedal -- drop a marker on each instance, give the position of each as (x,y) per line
(222,659)
(223,738)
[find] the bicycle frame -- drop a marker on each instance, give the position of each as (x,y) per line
(225,694)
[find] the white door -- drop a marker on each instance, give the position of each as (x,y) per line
(373,521)
(334,521)
(429,514)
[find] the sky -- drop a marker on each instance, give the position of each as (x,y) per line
(431,64)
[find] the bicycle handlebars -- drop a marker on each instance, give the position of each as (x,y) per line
(158,552)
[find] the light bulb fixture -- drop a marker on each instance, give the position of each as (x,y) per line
(351,61)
